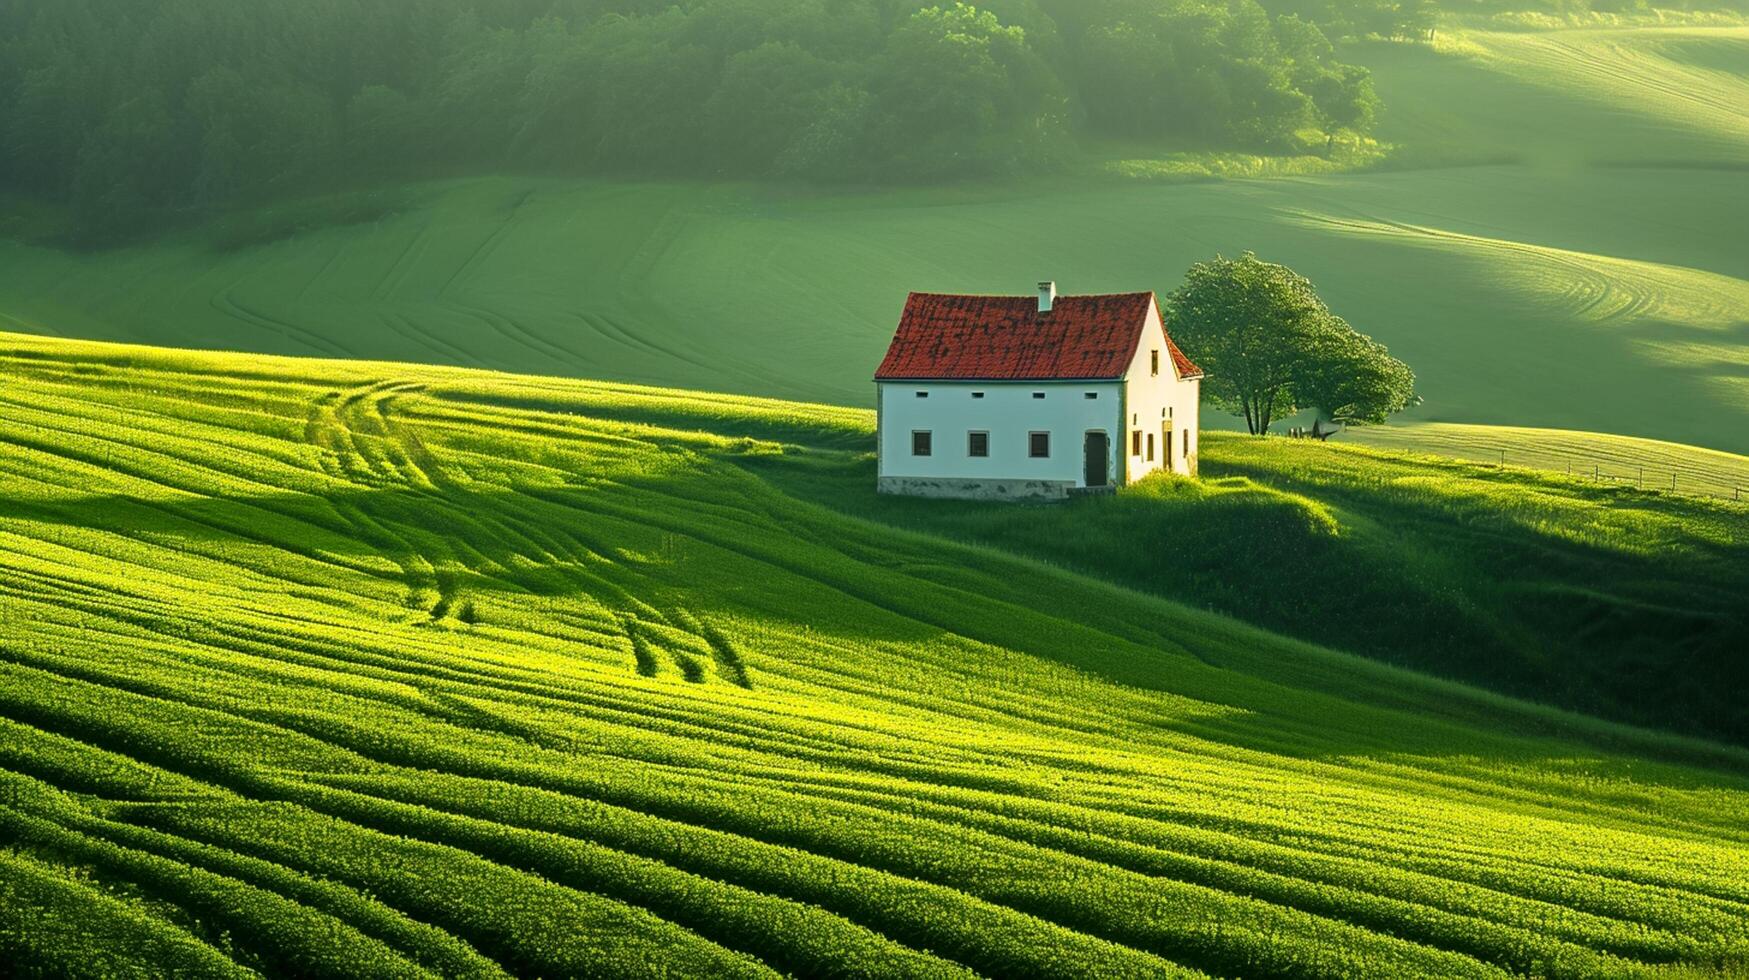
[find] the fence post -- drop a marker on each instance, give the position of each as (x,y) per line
(1641,480)
(1672,482)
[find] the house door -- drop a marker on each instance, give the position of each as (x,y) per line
(1166,437)
(1097,450)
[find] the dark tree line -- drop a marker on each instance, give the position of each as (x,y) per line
(131,110)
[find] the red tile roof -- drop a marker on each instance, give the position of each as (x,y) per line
(1006,338)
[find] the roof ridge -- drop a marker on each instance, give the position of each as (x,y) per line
(1031,297)
(985,337)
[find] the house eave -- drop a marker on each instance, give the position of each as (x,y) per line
(999,381)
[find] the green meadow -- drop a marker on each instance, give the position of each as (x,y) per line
(1590,594)
(540,617)
(318,668)
(1622,461)
(1550,234)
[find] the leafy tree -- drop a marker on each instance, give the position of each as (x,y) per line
(1344,100)
(765,103)
(380,123)
(956,92)
(830,142)
(651,82)
(1271,347)
(1248,323)
(556,105)
(1348,377)
(126,165)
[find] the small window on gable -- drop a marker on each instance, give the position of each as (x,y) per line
(1038,445)
(1038,394)
(1154,363)
(923,394)
(921,442)
(1135,442)
(977,394)
(1090,395)
(1150,447)
(978,444)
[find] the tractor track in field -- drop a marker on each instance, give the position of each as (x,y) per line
(404,327)
(505,326)
(362,424)
(225,303)
(327,265)
(399,269)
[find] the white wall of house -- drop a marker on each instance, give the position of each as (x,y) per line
(1160,407)
(1009,411)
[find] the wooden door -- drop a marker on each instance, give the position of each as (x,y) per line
(1097,453)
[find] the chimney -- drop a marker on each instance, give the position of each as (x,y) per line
(1047,296)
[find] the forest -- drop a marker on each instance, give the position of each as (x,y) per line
(133,113)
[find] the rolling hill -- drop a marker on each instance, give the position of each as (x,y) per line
(1585,593)
(1589,276)
(306,665)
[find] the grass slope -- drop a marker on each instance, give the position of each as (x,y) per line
(1592,280)
(1588,594)
(314,667)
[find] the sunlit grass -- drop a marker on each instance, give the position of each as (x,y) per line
(1619,460)
(312,664)
(1647,70)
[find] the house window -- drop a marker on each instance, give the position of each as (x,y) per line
(977,394)
(1186,443)
(923,394)
(1154,363)
(1136,442)
(1038,445)
(1150,447)
(978,444)
(1038,394)
(921,442)
(1090,395)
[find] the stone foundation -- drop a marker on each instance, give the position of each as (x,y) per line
(975,489)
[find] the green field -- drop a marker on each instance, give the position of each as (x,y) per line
(309,667)
(1615,460)
(1585,593)
(1589,277)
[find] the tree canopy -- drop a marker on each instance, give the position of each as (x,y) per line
(1271,347)
(132,111)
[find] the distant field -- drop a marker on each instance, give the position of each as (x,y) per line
(1668,84)
(313,668)
(1595,281)
(1587,455)
(1564,99)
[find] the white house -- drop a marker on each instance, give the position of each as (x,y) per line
(1011,396)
